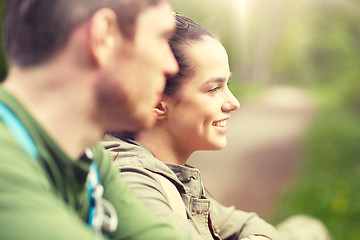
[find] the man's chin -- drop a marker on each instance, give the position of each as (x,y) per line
(147,122)
(134,123)
(144,121)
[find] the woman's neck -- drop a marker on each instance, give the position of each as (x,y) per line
(163,147)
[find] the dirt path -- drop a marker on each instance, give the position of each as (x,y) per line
(263,151)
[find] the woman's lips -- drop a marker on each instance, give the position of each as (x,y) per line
(220,126)
(221,123)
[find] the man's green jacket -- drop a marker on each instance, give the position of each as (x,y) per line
(45,198)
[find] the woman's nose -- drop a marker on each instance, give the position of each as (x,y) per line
(231,104)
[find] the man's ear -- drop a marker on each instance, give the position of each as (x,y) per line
(103,29)
(161,110)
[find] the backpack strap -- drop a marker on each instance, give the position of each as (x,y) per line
(173,196)
(19,131)
(102,214)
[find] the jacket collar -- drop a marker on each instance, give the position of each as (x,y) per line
(135,153)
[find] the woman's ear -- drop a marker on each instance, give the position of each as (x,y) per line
(161,110)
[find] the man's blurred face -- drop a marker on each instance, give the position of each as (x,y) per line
(143,63)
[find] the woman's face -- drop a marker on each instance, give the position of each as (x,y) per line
(198,111)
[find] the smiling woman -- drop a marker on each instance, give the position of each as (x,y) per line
(190,116)
(194,111)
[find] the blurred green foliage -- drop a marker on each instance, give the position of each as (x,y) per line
(327,186)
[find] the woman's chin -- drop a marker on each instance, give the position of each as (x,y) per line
(216,146)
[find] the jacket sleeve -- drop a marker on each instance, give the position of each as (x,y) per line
(135,220)
(147,188)
(29,205)
(235,224)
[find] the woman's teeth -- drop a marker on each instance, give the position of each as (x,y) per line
(219,123)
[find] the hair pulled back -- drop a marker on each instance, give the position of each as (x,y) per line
(187,32)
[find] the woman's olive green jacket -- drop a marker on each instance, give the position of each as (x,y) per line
(206,218)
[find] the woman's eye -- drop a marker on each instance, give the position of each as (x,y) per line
(215,89)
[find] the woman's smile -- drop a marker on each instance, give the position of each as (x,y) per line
(221,123)
(220,126)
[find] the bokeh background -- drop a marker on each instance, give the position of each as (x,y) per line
(294,144)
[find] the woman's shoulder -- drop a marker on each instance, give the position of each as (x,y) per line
(132,155)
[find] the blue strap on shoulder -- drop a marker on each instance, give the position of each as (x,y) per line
(19,131)
(93,180)
(101,212)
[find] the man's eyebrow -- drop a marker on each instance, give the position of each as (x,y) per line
(217,80)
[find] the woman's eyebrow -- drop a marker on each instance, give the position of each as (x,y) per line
(217,80)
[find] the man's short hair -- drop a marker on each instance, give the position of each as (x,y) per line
(34,30)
